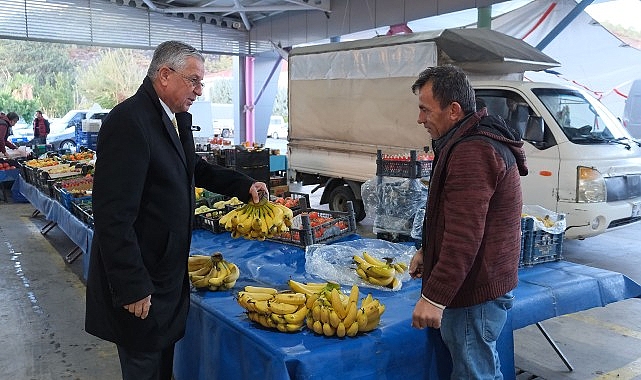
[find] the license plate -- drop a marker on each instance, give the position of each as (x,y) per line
(636,209)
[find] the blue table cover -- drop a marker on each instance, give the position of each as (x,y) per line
(54,211)
(221,343)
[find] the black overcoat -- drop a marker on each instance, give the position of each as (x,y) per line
(143,204)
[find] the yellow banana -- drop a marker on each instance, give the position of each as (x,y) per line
(201,272)
(256,296)
(334,319)
(218,279)
(324,314)
(361,273)
(281,308)
(380,271)
(361,319)
(234,273)
(278,318)
(353,295)
(293,327)
(328,330)
(372,260)
(298,316)
(350,318)
(386,282)
(340,330)
(308,288)
(352,330)
(262,307)
(371,324)
(367,300)
(197,261)
(371,310)
(318,327)
(311,298)
(291,298)
(337,304)
(260,289)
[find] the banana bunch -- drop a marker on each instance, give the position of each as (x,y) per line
(283,311)
(333,313)
(377,272)
(257,220)
(212,272)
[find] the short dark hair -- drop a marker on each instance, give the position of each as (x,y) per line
(449,84)
(13,116)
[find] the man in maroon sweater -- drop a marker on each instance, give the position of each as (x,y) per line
(469,258)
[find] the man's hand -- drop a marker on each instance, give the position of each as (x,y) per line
(257,190)
(426,315)
(416,264)
(140,308)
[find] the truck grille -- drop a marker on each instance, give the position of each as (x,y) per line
(623,187)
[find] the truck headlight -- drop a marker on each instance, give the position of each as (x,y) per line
(590,185)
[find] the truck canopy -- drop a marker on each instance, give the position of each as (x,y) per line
(355,96)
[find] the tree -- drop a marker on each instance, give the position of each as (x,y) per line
(221,91)
(112,77)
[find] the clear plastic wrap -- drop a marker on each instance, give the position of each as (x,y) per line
(544,219)
(333,262)
(394,202)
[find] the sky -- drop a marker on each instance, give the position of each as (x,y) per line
(622,12)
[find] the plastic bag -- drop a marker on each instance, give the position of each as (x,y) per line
(544,219)
(333,262)
(394,202)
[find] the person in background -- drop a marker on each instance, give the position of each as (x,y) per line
(137,293)
(470,250)
(40,128)
(6,122)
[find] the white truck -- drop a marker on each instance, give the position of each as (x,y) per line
(349,99)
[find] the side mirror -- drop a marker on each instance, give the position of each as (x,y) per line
(534,130)
(195,128)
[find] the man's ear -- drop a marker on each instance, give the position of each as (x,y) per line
(456,111)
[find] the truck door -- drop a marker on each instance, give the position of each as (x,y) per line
(540,186)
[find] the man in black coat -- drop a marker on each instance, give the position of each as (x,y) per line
(143,204)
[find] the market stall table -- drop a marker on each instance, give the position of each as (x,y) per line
(6,177)
(221,343)
(59,216)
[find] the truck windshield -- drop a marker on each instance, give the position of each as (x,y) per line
(584,120)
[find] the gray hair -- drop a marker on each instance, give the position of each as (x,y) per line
(173,54)
(449,84)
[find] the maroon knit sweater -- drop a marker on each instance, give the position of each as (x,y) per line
(471,232)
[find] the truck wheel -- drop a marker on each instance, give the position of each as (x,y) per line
(226,133)
(338,202)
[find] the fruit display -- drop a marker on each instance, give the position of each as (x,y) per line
(333,313)
(257,220)
(283,311)
(6,166)
(42,162)
(377,272)
(204,209)
(212,272)
(79,156)
(233,201)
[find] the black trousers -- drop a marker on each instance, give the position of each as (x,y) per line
(146,365)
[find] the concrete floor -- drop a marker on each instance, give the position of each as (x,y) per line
(41,316)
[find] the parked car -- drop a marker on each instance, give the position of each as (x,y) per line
(632,110)
(63,131)
(277,128)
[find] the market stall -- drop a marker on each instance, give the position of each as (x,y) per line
(221,343)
